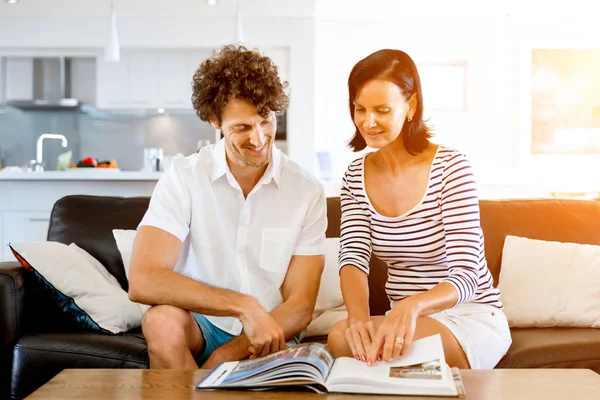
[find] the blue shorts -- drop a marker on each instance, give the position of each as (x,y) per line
(216,337)
(213,338)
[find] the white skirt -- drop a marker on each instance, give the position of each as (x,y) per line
(481,330)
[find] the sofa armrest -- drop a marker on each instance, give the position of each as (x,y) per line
(12,287)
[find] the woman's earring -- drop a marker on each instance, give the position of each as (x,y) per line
(409,119)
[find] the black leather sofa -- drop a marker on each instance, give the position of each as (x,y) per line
(37,341)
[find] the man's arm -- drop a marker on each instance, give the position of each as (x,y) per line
(300,288)
(153,281)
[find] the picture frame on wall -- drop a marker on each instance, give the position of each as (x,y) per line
(556,137)
(565,101)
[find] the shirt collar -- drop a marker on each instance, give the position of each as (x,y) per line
(219,161)
(273,171)
(220,167)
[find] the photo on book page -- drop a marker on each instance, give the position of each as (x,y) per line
(425,370)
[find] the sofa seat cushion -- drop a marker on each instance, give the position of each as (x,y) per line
(39,357)
(553,348)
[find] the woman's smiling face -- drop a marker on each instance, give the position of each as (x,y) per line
(380,110)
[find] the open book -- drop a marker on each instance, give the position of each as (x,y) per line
(310,366)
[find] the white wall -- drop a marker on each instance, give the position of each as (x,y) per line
(493,131)
(327,37)
(426,43)
(38,26)
(158,8)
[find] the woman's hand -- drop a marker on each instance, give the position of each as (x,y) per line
(359,335)
(395,333)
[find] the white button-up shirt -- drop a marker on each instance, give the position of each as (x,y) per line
(236,243)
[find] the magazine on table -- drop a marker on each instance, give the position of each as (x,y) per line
(310,366)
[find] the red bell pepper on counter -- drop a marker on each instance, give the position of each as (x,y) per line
(88,162)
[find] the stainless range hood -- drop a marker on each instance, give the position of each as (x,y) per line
(51,87)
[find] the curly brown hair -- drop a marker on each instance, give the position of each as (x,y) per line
(236,72)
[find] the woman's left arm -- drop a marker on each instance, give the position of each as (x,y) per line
(464,252)
(459,204)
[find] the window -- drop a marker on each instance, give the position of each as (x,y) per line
(565,102)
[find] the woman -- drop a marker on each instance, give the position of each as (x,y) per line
(414,205)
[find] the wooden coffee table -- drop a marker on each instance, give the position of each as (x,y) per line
(497,384)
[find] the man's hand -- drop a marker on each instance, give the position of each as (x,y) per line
(264,333)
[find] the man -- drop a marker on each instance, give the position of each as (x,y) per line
(230,251)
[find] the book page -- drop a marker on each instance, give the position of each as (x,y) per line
(309,361)
(420,371)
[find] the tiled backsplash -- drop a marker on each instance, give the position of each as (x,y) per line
(102,135)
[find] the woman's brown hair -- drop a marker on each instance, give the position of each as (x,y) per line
(397,67)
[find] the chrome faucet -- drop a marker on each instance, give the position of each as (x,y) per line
(39,167)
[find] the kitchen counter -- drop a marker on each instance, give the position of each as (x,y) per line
(27,198)
(83,174)
(332,188)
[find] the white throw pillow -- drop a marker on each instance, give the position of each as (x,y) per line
(321,325)
(330,293)
(330,307)
(80,285)
(124,239)
(545,284)
(97,265)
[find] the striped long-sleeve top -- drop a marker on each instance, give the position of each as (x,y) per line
(439,240)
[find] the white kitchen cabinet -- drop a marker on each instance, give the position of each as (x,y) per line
(135,82)
(18,78)
(160,79)
(175,75)
(23,226)
(174,81)
(192,63)
(131,83)
(112,88)
(143,80)
(27,199)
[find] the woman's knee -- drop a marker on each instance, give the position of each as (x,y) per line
(336,339)
(453,351)
(338,330)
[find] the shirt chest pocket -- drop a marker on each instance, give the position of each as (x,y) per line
(276,248)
